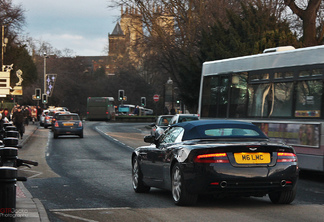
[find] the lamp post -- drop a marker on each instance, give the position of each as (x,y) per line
(44,72)
(44,92)
(4,44)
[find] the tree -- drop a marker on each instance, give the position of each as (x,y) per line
(18,55)
(247,33)
(12,19)
(313,23)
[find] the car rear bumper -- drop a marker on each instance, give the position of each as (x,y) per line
(68,131)
(258,181)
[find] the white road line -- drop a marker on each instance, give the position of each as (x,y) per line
(87,209)
(75,217)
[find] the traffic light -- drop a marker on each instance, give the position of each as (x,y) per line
(143,101)
(120,95)
(38,93)
(44,99)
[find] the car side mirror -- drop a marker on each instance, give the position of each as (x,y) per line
(149,139)
(152,124)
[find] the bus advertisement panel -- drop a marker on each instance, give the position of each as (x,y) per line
(296,134)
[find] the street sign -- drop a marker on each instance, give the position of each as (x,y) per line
(4,83)
(156,98)
(17,91)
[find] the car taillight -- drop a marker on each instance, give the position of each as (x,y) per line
(47,117)
(107,112)
(212,158)
(56,124)
(80,124)
(286,157)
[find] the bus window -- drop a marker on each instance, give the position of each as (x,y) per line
(216,96)
(271,100)
(309,95)
(283,99)
(209,96)
(238,98)
(259,100)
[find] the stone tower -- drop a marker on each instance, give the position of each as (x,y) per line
(164,21)
(126,38)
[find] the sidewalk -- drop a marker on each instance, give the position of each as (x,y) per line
(28,209)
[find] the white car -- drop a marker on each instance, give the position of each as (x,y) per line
(42,117)
(179,118)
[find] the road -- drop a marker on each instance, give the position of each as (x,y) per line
(89,179)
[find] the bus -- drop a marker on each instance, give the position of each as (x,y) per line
(128,109)
(100,108)
(281,92)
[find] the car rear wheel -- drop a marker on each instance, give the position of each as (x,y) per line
(55,136)
(138,185)
(180,195)
(81,135)
(283,197)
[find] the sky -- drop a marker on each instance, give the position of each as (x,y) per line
(79,25)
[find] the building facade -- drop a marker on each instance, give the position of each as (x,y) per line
(126,40)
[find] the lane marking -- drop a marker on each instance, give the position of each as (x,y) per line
(75,217)
(87,209)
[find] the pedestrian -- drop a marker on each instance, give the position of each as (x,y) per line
(18,121)
(2,130)
(26,113)
(34,114)
(136,111)
(6,114)
(39,112)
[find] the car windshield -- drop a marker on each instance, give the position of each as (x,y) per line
(68,117)
(187,118)
(164,121)
(196,130)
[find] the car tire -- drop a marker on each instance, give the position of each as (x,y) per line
(81,135)
(283,197)
(137,178)
(55,136)
(180,195)
(45,126)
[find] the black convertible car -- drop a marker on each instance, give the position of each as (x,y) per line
(218,157)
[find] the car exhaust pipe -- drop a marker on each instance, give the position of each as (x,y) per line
(283,183)
(223,184)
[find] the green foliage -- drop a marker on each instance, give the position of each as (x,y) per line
(18,55)
(189,72)
(246,33)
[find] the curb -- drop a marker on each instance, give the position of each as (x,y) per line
(34,209)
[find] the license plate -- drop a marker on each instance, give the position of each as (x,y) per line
(67,124)
(252,158)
